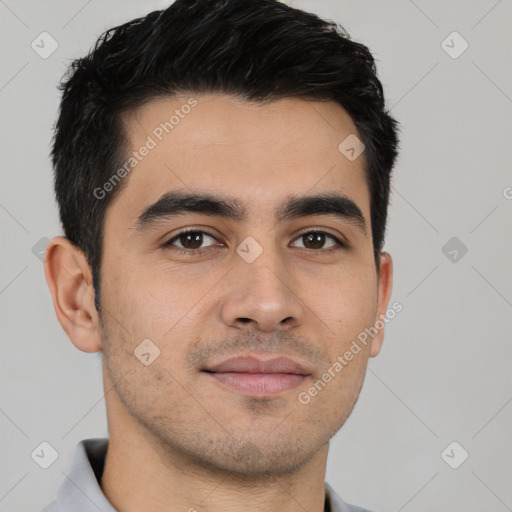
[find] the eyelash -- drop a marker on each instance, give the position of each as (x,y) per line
(194,252)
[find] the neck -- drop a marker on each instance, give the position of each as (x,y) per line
(142,473)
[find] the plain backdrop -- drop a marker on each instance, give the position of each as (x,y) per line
(443,375)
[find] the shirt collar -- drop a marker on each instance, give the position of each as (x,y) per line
(80,490)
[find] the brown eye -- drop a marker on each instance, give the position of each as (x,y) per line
(189,240)
(315,240)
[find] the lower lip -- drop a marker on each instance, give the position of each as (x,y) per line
(259,384)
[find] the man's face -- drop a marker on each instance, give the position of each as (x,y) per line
(260,285)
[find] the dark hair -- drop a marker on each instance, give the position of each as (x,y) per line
(257,50)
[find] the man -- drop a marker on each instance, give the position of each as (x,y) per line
(222,170)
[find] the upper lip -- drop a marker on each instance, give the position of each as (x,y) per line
(252,364)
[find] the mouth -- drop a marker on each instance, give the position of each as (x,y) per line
(257,377)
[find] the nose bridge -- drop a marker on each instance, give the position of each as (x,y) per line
(260,289)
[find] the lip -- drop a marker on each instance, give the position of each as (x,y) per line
(252,364)
(258,377)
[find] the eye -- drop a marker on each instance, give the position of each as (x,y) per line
(316,238)
(190,240)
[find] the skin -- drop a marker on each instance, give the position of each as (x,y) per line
(178,439)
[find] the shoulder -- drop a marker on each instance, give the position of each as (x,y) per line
(338,504)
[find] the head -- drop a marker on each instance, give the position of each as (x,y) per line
(236,117)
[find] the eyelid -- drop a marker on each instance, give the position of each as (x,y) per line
(337,236)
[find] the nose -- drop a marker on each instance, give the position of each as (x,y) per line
(262,295)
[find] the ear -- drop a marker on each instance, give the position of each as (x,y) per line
(385,285)
(69,278)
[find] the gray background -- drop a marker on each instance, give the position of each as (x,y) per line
(444,372)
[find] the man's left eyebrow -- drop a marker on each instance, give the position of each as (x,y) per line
(172,204)
(335,204)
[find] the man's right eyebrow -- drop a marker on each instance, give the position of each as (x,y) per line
(172,204)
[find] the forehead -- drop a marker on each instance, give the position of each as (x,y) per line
(259,153)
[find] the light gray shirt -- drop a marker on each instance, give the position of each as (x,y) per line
(81,491)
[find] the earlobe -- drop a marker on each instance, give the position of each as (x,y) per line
(385,286)
(70,281)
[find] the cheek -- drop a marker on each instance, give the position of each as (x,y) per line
(345,301)
(155,303)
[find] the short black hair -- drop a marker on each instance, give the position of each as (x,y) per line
(256,50)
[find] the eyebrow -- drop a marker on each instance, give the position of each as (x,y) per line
(175,203)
